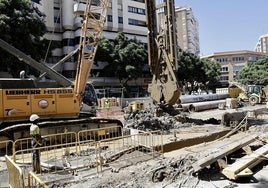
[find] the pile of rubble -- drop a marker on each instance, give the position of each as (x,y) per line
(155,118)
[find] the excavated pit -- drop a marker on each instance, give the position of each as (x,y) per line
(179,131)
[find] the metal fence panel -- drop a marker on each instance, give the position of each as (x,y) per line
(15,175)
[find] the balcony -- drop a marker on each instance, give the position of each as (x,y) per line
(78,22)
(79,9)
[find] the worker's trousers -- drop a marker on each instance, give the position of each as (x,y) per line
(36,157)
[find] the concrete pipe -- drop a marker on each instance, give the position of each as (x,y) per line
(201,98)
(200,106)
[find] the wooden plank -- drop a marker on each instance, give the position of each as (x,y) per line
(237,169)
(224,150)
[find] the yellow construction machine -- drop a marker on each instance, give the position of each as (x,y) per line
(164,90)
(58,104)
(162,52)
(254,94)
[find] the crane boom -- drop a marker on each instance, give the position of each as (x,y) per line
(92,27)
(63,81)
(162,52)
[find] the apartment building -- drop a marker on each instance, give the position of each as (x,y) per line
(63,21)
(232,62)
(262,44)
(187,30)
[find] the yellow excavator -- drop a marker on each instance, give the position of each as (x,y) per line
(254,94)
(58,104)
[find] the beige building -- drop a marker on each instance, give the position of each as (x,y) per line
(232,62)
(262,44)
(187,30)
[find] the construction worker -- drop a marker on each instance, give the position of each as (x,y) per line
(107,106)
(36,142)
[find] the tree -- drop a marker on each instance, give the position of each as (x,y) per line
(212,72)
(21,25)
(105,49)
(195,73)
(126,58)
(190,70)
(254,72)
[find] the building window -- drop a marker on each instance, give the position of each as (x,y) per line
(36,1)
(120,20)
(68,42)
(240,58)
(141,1)
(56,20)
(224,78)
(110,18)
(136,10)
(237,69)
(136,22)
(95,2)
(224,69)
(223,59)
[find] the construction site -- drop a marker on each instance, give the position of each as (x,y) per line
(194,150)
(165,140)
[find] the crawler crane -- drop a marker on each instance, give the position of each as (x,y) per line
(58,107)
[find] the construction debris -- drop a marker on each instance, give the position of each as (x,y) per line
(242,167)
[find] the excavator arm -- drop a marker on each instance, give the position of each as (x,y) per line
(162,52)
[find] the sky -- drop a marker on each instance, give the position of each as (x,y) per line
(228,25)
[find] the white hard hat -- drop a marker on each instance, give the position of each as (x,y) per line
(34,117)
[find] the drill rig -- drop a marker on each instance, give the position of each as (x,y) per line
(59,106)
(162,53)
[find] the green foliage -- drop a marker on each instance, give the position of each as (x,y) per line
(212,72)
(105,49)
(21,25)
(197,73)
(126,58)
(254,73)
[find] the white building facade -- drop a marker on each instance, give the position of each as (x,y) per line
(262,44)
(63,21)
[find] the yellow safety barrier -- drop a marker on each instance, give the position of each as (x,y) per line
(15,175)
(100,133)
(130,149)
(95,150)
(35,181)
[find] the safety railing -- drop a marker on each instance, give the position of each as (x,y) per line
(15,175)
(100,133)
(51,142)
(94,150)
(130,149)
(35,181)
